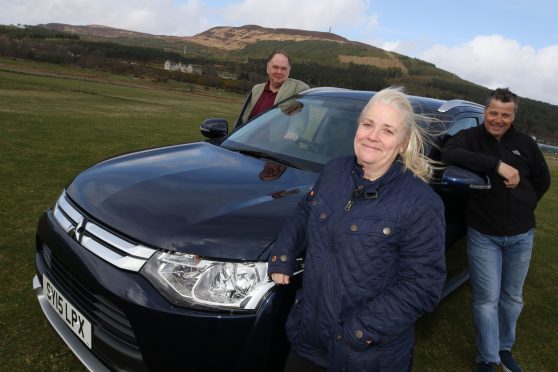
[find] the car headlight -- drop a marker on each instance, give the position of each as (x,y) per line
(188,280)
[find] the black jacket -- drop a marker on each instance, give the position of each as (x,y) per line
(501,211)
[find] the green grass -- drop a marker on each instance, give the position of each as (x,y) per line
(445,338)
(51,128)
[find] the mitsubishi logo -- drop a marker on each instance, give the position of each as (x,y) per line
(77,232)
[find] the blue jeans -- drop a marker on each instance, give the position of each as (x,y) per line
(498,266)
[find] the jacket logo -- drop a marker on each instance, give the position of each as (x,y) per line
(516,152)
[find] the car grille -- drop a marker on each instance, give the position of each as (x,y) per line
(98,240)
(107,317)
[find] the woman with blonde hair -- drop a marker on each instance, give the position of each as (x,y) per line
(373,231)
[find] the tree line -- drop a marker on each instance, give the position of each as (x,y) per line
(418,77)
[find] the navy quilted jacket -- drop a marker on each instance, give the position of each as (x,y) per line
(374,264)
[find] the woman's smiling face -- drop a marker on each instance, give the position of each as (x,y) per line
(380,136)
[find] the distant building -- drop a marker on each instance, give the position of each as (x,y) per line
(228,75)
(188,69)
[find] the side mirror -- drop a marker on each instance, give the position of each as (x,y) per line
(214,128)
(461,181)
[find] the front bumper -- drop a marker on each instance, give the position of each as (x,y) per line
(78,348)
(135,328)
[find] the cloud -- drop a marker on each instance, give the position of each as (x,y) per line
(189,17)
(165,17)
(496,61)
(405,47)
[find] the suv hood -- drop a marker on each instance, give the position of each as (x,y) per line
(195,198)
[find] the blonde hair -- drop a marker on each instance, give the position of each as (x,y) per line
(413,157)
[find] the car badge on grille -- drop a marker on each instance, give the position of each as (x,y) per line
(77,232)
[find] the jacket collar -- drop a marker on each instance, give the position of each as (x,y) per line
(374,187)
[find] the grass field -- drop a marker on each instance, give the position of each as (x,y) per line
(53,127)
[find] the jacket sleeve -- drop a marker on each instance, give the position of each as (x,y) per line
(420,278)
(289,89)
(301,87)
(458,152)
(292,240)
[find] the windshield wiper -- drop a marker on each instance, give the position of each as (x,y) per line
(265,155)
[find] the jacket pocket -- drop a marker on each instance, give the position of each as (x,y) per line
(382,228)
(319,222)
(320,209)
(371,245)
(373,235)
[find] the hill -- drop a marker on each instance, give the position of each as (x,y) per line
(226,38)
(233,58)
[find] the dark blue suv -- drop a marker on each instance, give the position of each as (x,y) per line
(156,260)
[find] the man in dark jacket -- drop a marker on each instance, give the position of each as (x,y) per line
(500,222)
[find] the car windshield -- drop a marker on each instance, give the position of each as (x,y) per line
(304,132)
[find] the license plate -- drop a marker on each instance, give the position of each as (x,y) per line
(73,318)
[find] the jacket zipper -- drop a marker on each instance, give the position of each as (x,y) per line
(356,192)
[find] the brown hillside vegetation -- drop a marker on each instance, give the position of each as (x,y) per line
(390,62)
(223,37)
(95,30)
(236,38)
(231,38)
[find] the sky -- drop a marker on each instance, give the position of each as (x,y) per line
(491,43)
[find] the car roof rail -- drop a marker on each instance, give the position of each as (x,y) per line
(448,105)
(327,89)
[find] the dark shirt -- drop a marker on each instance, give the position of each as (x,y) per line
(265,101)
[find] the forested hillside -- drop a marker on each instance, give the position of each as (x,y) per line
(328,62)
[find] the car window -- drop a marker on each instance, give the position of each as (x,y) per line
(462,123)
(303,130)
